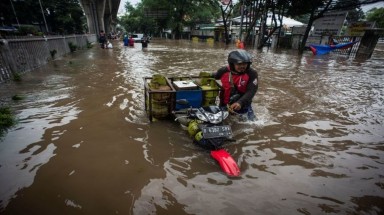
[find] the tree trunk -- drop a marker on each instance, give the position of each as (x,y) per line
(226,35)
(306,34)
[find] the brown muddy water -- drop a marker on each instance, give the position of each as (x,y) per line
(84,145)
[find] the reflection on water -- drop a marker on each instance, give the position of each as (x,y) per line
(83,144)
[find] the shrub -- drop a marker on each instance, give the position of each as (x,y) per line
(72,46)
(89,44)
(27,29)
(17,97)
(16,77)
(7,119)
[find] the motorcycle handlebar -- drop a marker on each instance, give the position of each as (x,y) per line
(180,112)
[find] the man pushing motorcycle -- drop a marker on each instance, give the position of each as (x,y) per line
(239,84)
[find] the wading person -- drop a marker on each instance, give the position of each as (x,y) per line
(239,83)
(131,41)
(102,39)
(144,42)
(125,40)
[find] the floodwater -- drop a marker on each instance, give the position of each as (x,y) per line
(84,144)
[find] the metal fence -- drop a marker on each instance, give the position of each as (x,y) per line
(19,55)
(324,40)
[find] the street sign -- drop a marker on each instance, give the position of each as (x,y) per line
(358,28)
(330,24)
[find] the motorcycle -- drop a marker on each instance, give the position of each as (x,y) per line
(205,125)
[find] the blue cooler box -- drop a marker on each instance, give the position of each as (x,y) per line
(189,91)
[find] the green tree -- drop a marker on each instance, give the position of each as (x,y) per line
(376,15)
(134,21)
(182,11)
(156,15)
(202,14)
(355,13)
(187,13)
(23,12)
(64,16)
(7,119)
(226,11)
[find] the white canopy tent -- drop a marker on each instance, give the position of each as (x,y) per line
(288,22)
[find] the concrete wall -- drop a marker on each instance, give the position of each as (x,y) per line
(26,54)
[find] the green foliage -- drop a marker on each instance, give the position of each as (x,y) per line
(355,13)
(68,17)
(302,7)
(27,29)
(204,12)
(17,97)
(136,21)
(89,44)
(7,119)
(64,16)
(178,14)
(376,15)
(72,47)
(302,18)
(17,77)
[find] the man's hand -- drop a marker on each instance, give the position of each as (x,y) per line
(235,106)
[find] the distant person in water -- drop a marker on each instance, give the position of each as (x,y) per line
(125,40)
(131,41)
(102,39)
(144,42)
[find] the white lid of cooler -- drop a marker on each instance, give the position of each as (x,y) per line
(184,84)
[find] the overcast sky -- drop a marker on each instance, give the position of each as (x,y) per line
(122,4)
(377,5)
(134,2)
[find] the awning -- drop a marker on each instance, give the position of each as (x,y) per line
(286,21)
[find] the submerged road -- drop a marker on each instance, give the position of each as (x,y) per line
(84,145)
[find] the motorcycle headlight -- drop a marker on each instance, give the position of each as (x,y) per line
(213,118)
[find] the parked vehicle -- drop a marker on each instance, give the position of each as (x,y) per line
(137,37)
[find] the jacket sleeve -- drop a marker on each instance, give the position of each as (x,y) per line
(217,75)
(252,87)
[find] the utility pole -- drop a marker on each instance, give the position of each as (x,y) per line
(14,12)
(42,12)
(241,22)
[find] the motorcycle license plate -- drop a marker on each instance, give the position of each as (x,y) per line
(216,131)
